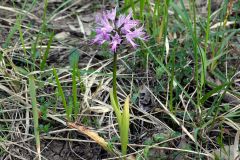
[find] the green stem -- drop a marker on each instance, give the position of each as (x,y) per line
(115,78)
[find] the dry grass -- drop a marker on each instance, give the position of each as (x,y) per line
(155,131)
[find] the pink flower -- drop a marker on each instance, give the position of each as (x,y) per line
(115,30)
(116,40)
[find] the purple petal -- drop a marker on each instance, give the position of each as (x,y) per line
(112,14)
(138,33)
(129,38)
(116,40)
(98,39)
(101,37)
(121,20)
(129,16)
(129,25)
(114,47)
(103,23)
(98,18)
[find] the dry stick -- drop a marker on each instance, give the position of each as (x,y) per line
(93,135)
(27,115)
(236,143)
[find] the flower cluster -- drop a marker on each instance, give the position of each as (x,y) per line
(117,29)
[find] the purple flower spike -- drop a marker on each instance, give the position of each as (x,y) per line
(116,30)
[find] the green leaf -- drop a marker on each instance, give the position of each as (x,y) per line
(74,57)
(43,110)
(22,70)
(125,126)
(46,53)
(76,104)
(159,137)
(60,92)
(213,91)
(146,151)
(116,109)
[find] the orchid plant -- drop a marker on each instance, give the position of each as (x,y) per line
(118,30)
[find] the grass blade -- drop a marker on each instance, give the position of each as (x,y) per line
(32,92)
(74,93)
(45,56)
(213,91)
(60,91)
